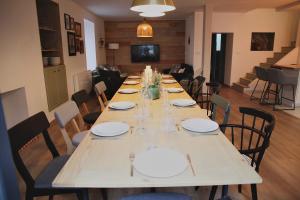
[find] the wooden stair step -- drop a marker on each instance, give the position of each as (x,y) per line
(251,76)
(265,65)
(245,81)
(286,49)
(239,87)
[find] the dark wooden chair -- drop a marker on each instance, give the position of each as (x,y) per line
(196,88)
(19,136)
(81,98)
(251,138)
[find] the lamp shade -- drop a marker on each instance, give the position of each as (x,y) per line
(148,6)
(152,14)
(113,46)
(144,30)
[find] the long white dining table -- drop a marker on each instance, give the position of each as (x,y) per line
(105,162)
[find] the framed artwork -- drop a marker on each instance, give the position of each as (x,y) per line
(67,21)
(71,43)
(78,29)
(262,41)
(81,47)
(77,45)
(72,24)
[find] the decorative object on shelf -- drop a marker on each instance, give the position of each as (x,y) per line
(144,30)
(113,47)
(45,61)
(101,43)
(72,23)
(262,41)
(54,61)
(148,6)
(78,29)
(77,43)
(67,21)
(81,47)
(71,43)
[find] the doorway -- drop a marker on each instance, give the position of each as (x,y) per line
(221,54)
(90,44)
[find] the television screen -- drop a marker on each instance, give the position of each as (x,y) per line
(145,53)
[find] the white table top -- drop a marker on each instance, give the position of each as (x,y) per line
(105,163)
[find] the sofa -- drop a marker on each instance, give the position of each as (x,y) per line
(181,71)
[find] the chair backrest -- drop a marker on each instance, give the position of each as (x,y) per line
(220,102)
(80,98)
(196,88)
(274,75)
(23,133)
(100,88)
(64,114)
(252,136)
(258,119)
(186,85)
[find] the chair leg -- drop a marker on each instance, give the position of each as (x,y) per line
(29,196)
(213,192)
(51,197)
(251,97)
(83,194)
(263,92)
(294,97)
(254,191)
(240,188)
(196,188)
(224,190)
(104,194)
(267,93)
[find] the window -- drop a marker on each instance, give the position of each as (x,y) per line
(218,42)
(90,44)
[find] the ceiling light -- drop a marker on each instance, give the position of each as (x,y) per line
(149,6)
(144,30)
(152,14)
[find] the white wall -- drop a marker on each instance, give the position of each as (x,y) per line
(20,51)
(76,64)
(194,31)
(284,25)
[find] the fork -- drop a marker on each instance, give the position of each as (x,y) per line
(131,158)
(190,162)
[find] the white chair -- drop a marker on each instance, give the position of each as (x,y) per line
(100,89)
(64,114)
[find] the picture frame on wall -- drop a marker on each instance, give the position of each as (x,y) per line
(67,21)
(81,47)
(78,29)
(72,24)
(262,41)
(71,43)
(77,45)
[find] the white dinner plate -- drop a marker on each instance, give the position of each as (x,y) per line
(175,90)
(134,77)
(121,105)
(198,125)
(131,82)
(166,76)
(168,81)
(183,102)
(128,91)
(110,129)
(160,163)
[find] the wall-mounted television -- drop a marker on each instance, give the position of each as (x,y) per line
(145,53)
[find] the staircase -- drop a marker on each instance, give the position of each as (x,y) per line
(244,82)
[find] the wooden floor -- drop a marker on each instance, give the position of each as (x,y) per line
(280,167)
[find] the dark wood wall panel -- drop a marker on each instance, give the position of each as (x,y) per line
(170,35)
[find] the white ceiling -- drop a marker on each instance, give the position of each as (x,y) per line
(119,9)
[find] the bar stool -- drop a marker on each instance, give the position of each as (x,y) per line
(262,75)
(282,79)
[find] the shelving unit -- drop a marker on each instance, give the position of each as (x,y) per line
(51,46)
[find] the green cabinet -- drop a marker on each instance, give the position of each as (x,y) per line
(56,86)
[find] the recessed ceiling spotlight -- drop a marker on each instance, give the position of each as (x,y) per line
(152,14)
(149,6)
